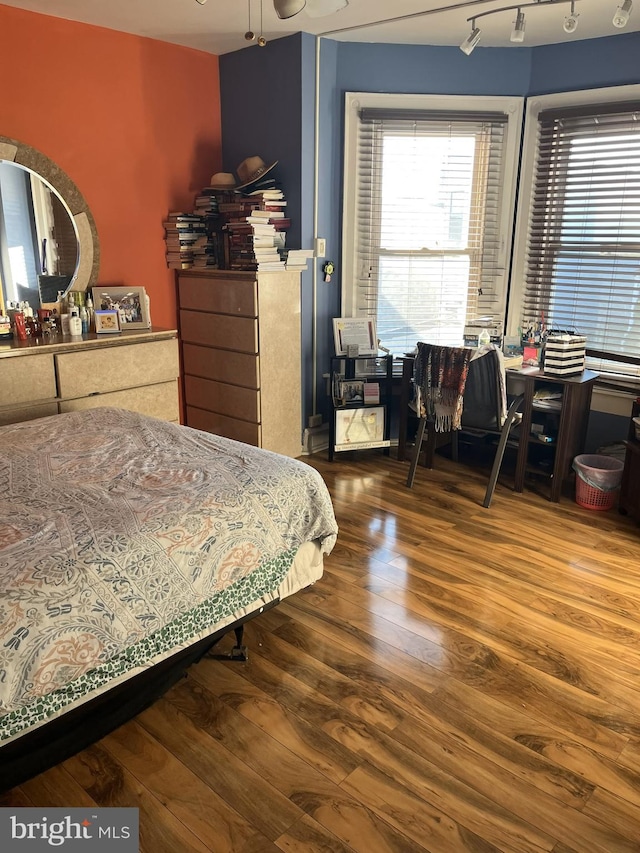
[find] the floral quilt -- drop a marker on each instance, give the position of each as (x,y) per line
(122,536)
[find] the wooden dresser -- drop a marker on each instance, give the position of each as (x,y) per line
(133,370)
(240,344)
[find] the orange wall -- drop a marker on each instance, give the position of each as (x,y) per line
(134,122)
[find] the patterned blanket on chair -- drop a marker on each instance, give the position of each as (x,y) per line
(440,376)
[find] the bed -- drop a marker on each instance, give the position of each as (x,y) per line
(128,547)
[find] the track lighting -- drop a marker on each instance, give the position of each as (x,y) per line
(518,27)
(517,34)
(621,17)
(571,21)
(469,44)
(288,8)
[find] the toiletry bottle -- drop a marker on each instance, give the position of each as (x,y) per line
(89,307)
(84,318)
(75,323)
(484,338)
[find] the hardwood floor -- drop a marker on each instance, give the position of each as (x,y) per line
(460,679)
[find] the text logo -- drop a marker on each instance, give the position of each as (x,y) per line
(73,830)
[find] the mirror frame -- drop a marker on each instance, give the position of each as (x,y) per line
(86,274)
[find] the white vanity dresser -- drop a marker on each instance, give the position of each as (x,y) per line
(135,370)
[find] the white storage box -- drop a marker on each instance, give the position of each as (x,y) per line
(564,355)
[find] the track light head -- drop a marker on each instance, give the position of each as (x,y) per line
(288,8)
(469,44)
(517,34)
(621,17)
(570,24)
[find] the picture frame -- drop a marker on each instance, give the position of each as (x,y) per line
(107,321)
(360,428)
(131,303)
(358,331)
(350,391)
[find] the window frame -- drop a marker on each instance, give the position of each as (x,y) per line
(513,109)
(535,105)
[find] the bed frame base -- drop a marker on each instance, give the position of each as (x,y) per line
(238,652)
(67,735)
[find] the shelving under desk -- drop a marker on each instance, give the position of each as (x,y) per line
(572,421)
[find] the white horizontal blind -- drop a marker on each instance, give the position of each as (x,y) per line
(583,248)
(428,207)
(18,252)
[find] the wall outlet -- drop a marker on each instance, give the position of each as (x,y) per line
(321,247)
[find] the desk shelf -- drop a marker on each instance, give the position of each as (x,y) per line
(567,423)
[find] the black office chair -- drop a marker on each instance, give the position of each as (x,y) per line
(481,412)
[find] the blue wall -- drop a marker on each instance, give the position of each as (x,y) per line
(267,98)
(588,64)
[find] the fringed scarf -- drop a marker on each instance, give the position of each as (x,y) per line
(441,376)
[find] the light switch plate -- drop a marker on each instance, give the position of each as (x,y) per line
(321,247)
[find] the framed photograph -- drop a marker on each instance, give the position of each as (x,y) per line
(350,391)
(355,331)
(130,303)
(107,321)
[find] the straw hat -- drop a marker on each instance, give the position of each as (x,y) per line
(251,170)
(223,181)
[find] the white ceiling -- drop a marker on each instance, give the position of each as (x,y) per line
(219,25)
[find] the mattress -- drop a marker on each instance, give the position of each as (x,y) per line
(124,539)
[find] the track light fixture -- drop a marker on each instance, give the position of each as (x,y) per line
(469,44)
(517,34)
(621,17)
(570,24)
(288,8)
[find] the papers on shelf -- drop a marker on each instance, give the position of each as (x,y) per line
(357,429)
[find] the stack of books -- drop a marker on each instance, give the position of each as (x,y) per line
(256,230)
(231,229)
(296,259)
(186,240)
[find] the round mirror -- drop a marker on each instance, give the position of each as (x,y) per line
(48,239)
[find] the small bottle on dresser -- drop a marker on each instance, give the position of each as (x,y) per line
(75,323)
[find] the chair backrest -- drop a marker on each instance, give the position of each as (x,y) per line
(482,396)
(482,393)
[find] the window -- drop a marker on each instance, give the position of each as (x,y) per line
(428,206)
(581,263)
(18,249)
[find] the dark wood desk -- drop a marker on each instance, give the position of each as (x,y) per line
(572,416)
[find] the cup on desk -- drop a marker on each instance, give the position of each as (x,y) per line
(531,355)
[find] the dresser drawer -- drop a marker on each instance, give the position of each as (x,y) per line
(218,296)
(242,403)
(27,379)
(236,368)
(115,368)
(157,401)
(219,330)
(222,425)
(28,413)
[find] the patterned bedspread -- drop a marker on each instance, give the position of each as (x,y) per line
(122,537)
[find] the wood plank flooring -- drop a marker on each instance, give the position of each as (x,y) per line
(460,679)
